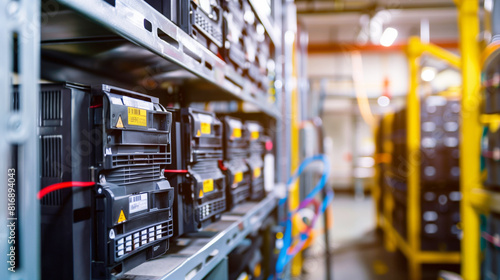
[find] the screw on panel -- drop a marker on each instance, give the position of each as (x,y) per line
(12,8)
(15,122)
(102,178)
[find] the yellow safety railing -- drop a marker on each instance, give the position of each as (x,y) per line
(470,137)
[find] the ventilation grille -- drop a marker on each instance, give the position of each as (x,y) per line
(258,191)
(208,210)
(143,158)
(208,28)
(257,147)
(52,199)
(207,155)
(52,156)
(211,167)
(134,174)
(51,105)
(241,193)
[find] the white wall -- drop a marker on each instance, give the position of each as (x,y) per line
(341,120)
(376,67)
(340,129)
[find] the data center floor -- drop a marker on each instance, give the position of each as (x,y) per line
(358,251)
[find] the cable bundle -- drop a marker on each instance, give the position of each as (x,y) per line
(292,245)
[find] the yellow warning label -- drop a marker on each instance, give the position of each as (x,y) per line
(122,218)
(137,117)
(257,270)
(255,135)
(208,185)
(256,172)
(238,177)
(119,123)
(237,133)
(200,195)
(198,134)
(206,128)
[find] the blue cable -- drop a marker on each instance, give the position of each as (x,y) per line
(284,258)
(322,182)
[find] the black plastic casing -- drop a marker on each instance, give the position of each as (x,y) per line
(197,143)
(133,214)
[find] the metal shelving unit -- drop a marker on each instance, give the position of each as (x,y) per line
(129,44)
(137,46)
(411,245)
(18,127)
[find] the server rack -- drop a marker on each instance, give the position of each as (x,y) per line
(153,48)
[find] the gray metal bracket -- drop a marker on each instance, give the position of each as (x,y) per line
(20,22)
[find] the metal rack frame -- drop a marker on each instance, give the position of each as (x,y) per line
(470,135)
(21,21)
(127,18)
(18,127)
(411,247)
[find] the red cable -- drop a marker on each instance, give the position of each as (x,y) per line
(221,166)
(175,171)
(62,185)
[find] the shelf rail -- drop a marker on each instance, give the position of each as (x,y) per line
(20,52)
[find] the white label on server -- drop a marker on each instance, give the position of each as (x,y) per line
(205,118)
(138,203)
(136,103)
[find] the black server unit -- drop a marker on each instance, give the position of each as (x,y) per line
(238,174)
(206,23)
(259,51)
(133,216)
(171,9)
(256,152)
(265,61)
(234,45)
(247,47)
(120,140)
(245,261)
(65,144)
(201,196)
(251,43)
(201,19)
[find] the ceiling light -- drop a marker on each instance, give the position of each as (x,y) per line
(388,37)
(383,101)
(428,74)
(488,5)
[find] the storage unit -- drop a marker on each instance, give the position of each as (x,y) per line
(421,190)
(152,180)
